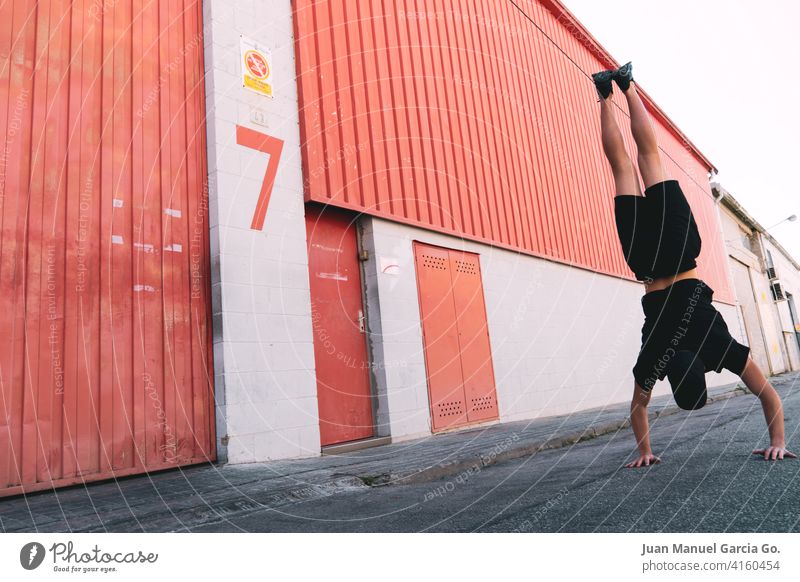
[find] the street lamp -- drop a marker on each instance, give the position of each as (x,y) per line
(791,218)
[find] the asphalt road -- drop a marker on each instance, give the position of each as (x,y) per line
(708,482)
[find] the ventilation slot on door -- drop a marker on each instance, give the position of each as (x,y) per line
(434,262)
(452,408)
(466,267)
(483,403)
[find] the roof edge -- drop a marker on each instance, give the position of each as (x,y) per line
(562,13)
(729,201)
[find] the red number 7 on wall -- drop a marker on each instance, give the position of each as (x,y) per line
(269,145)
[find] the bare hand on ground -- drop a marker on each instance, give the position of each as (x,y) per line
(643,461)
(775,453)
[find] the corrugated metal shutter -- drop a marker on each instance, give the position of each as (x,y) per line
(465,118)
(105,335)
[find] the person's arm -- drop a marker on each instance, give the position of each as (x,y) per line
(641,428)
(771,403)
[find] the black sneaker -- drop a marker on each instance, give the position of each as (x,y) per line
(602,82)
(624,76)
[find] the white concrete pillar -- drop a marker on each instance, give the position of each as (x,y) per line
(263,351)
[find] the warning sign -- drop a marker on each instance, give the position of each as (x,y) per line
(256,67)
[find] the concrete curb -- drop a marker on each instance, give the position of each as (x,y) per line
(471,462)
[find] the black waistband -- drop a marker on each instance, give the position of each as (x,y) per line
(679,290)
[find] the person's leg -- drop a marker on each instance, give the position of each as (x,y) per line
(758,384)
(648,156)
(625,179)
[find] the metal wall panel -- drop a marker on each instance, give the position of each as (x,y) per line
(104,267)
(466,118)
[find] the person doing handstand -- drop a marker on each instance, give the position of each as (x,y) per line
(683,336)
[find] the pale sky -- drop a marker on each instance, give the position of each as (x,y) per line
(726,72)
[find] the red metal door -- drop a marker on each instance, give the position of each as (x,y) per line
(458,355)
(105,365)
(473,337)
(337,312)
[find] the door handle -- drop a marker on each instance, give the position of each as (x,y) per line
(361,319)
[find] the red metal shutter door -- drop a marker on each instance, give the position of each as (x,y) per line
(105,343)
(473,337)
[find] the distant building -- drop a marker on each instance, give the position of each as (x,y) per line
(784,273)
(766,281)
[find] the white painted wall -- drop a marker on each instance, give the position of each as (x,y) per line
(770,318)
(781,347)
(735,235)
(789,276)
(750,285)
(263,351)
(563,339)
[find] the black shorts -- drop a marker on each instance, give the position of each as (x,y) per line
(681,317)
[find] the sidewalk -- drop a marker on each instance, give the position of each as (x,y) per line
(174,499)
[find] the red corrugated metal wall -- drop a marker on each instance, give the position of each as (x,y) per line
(104,290)
(464,117)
